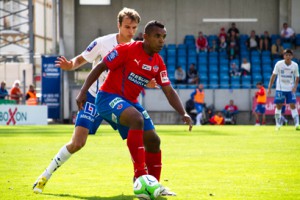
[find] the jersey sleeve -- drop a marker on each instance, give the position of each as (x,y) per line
(296,70)
(276,67)
(116,57)
(92,51)
(162,77)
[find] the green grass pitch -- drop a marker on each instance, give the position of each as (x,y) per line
(210,163)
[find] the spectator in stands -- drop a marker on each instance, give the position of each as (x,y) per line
(287,34)
(222,33)
(230,111)
(277,49)
(234,70)
(30,97)
(214,46)
(198,97)
(192,75)
(245,67)
(15,92)
(217,119)
(233,30)
(233,46)
(253,41)
(201,42)
(139,37)
(180,75)
(3,91)
(223,44)
(265,42)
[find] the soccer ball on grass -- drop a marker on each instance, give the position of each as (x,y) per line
(146,187)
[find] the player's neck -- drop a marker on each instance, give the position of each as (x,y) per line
(287,62)
(121,40)
(147,49)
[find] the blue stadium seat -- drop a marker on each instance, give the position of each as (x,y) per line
(255,53)
(171,52)
(181,52)
(191,86)
(181,60)
(189,39)
(171,60)
(287,45)
(266,68)
(224,61)
(203,77)
(266,60)
(192,59)
(255,68)
(213,68)
(224,68)
(181,46)
(266,53)
(213,61)
(224,84)
(202,60)
(274,38)
(255,60)
(213,54)
(298,39)
(246,81)
(235,82)
(181,86)
(256,77)
(171,46)
(202,68)
(213,84)
(213,76)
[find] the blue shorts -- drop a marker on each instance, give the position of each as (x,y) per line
(260,108)
(110,107)
(281,97)
(88,117)
(199,107)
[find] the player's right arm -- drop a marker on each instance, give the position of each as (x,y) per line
(72,64)
(91,78)
(271,83)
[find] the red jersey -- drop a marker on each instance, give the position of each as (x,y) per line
(131,68)
(231,108)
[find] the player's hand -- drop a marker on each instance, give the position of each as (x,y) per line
(80,100)
(63,63)
(188,120)
(152,84)
(294,90)
(269,92)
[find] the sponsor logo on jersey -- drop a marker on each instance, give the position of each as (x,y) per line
(114,118)
(146,115)
(146,67)
(137,62)
(91,46)
(164,76)
(115,101)
(90,109)
(120,106)
(137,79)
(112,55)
(155,68)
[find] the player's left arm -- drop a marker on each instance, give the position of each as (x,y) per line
(296,79)
(176,103)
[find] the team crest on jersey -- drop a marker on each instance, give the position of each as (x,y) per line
(91,46)
(90,109)
(146,67)
(155,68)
(120,106)
(112,55)
(164,76)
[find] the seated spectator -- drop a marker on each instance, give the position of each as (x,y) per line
(230,111)
(192,75)
(253,41)
(3,91)
(223,44)
(214,46)
(139,37)
(245,67)
(15,92)
(201,42)
(233,46)
(277,49)
(180,76)
(217,119)
(234,70)
(222,34)
(265,42)
(287,34)
(30,97)
(233,30)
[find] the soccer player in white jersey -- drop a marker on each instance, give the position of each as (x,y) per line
(287,74)
(87,121)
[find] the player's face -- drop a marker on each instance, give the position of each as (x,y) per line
(156,39)
(288,57)
(127,29)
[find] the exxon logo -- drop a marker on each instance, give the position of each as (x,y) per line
(12,116)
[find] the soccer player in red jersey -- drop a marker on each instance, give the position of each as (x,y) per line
(132,66)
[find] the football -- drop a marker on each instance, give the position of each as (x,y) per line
(146,187)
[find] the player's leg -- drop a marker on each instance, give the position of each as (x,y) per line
(278,100)
(257,122)
(199,113)
(291,99)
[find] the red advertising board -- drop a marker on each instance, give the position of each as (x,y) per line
(270,106)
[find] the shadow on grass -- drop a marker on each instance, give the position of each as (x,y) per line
(119,197)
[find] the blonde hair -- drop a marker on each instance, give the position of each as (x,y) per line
(129,12)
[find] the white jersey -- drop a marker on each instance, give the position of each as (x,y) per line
(286,75)
(95,52)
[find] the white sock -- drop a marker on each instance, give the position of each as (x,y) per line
(62,156)
(277,116)
(198,118)
(295,115)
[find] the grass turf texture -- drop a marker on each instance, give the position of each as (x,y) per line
(211,162)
